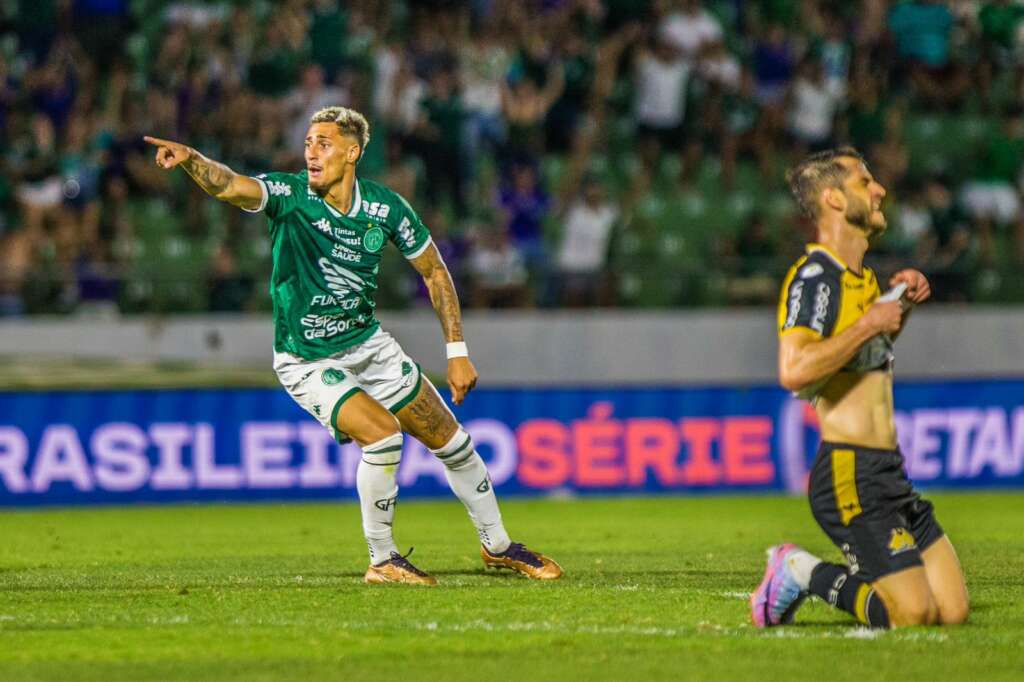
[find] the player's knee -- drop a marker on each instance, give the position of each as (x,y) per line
(384,452)
(954,614)
(457,451)
(916,611)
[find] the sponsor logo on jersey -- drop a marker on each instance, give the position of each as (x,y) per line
(332,377)
(821,297)
(325,326)
(812,270)
(340,280)
(373,239)
(324,225)
(376,209)
(900,540)
(406,234)
(341,252)
(794,303)
(328,299)
(278,188)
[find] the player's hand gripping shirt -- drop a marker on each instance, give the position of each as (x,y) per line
(822,295)
(326,262)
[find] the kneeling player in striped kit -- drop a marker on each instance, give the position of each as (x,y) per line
(328,229)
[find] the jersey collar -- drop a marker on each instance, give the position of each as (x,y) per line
(357,199)
(357,202)
(812,247)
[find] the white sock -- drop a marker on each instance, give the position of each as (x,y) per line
(378,492)
(802,563)
(467,475)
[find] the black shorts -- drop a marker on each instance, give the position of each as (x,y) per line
(863,500)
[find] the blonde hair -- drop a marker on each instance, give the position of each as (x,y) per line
(350,122)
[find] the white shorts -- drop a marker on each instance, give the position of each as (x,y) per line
(378,367)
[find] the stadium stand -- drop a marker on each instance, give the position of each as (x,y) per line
(492,117)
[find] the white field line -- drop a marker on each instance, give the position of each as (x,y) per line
(703,628)
(734,595)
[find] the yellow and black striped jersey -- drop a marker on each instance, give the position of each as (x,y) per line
(821,294)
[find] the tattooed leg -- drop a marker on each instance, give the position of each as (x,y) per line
(429,420)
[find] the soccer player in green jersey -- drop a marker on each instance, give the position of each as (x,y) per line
(328,228)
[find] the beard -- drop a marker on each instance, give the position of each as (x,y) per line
(859,214)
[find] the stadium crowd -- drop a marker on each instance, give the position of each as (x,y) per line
(562,152)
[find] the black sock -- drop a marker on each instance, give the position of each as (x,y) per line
(843,590)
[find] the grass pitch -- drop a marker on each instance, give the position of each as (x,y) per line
(655,589)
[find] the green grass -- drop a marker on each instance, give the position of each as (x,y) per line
(654,589)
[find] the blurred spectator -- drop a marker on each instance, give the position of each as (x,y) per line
(755,273)
(278,56)
(398,91)
(328,23)
(439,139)
(773,66)
(578,68)
(923,33)
(525,106)
(866,115)
(229,289)
(812,109)
(485,62)
(889,157)
(662,75)
(992,198)
(34,160)
(498,273)
(913,226)
(1001,22)
(454,249)
(740,131)
(583,253)
(689,28)
(309,96)
(948,250)
(773,63)
(526,205)
(719,67)
(835,55)
(402,173)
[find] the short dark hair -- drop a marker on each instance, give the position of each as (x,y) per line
(816,172)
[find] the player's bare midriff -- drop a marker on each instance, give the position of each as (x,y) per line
(857,408)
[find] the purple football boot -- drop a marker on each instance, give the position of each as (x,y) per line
(779,595)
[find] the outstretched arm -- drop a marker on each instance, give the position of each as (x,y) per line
(214,177)
(462,374)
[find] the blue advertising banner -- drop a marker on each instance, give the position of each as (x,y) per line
(177,445)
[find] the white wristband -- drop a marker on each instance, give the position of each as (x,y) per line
(457,349)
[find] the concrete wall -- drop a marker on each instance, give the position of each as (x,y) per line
(563,348)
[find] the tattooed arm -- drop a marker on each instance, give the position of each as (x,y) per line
(215,178)
(462,374)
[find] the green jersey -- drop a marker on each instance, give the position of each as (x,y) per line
(326,262)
